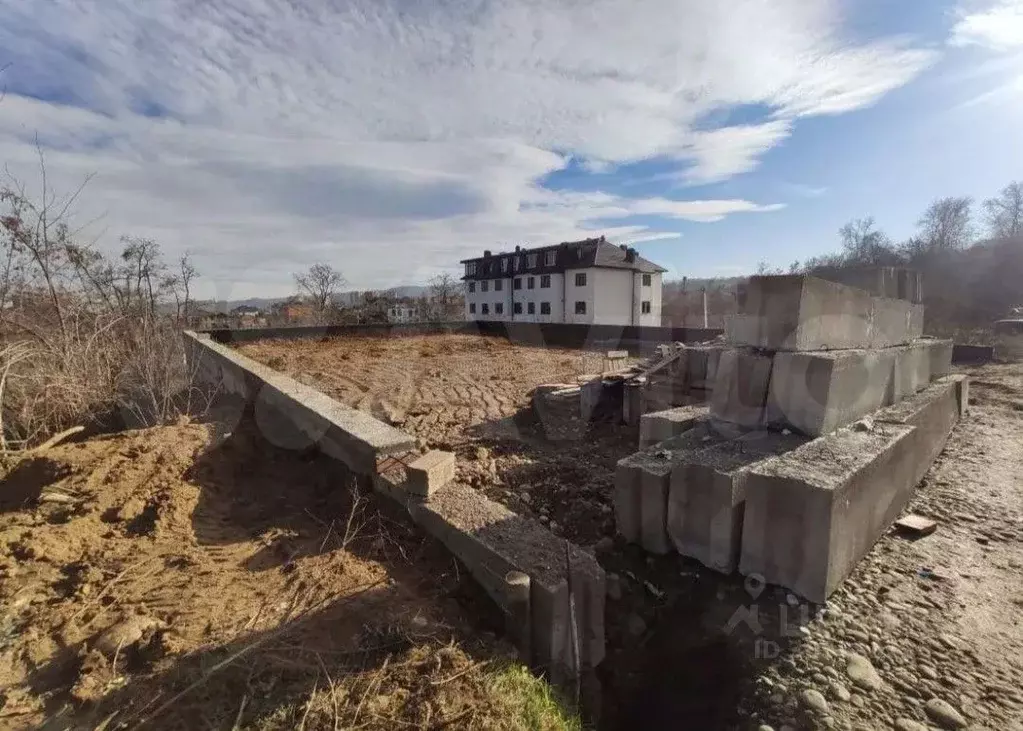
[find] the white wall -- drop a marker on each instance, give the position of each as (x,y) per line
(553,294)
(651,294)
(490,297)
(613,291)
(585,293)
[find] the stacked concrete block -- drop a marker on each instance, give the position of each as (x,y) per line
(800,312)
(741,387)
(659,426)
(817,392)
(708,492)
(430,472)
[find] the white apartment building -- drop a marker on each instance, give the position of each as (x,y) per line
(590,281)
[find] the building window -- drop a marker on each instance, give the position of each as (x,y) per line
(645,307)
(531,308)
(580,308)
(646,280)
(504,264)
(498,308)
(517,308)
(517,283)
(484,286)
(580,279)
(470,268)
(472,308)
(545,308)
(530,282)
(531,261)
(486,308)
(498,285)
(545,281)
(472,286)
(549,257)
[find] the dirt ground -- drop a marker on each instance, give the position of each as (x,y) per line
(182,577)
(471,394)
(924,634)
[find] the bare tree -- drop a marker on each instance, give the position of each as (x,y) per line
(946,225)
(1004,212)
(864,243)
(320,284)
(444,296)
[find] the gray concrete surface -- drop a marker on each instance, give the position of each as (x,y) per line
(430,472)
(660,425)
(800,312)
(291,414)
(741,386)
(707,495)
(817,392)
(811,514)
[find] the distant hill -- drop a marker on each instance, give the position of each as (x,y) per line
(345,298)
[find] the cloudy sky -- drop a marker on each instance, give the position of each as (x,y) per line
(391,138)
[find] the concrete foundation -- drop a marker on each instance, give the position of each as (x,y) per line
(816,393)
(912,370)
(702,366)
(799,312)
(941,357)
(741,387)
(661,425)
(811,514)
(708,492)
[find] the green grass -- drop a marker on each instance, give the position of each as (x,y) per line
(537,705)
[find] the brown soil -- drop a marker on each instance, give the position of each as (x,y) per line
(169,578)
(472,394)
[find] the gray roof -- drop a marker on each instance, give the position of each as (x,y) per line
(596,252)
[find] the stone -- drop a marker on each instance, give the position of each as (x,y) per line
(813,700)
(636,625)
(862,673)
(430,472)
(741,387)
(839,691)
(906,724)
(943,714)
(707,495)
(818,392)
(658,426)
(801,312)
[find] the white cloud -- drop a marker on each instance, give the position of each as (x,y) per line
(997,25)
(394,138)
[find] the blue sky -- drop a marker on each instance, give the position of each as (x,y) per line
(392,138)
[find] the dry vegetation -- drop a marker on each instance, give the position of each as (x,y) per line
(84,340)
(168,578)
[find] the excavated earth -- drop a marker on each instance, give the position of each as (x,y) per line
(926,633)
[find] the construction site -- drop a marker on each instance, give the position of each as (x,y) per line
(810,520)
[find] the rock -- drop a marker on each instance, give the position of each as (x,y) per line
(813,700)
(865,424)
(839,692)
(482,454)
(604,545)
(862,673)
(614,587)
(764,727)
(636,625)
(905,724)
(928,672)
(943,714)
(123,634)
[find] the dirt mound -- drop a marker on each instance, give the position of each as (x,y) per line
(159,575)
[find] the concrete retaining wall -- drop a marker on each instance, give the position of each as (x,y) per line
(551,591)
(566,335)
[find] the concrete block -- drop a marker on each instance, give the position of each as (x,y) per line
(741,386)
(817,392)
(430,472)
(799,312)
(702,366)
(811,514)
(912,370)
(567,587)
(933,411)
(940,356)
(632,401)
(707,494)
(661,425)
